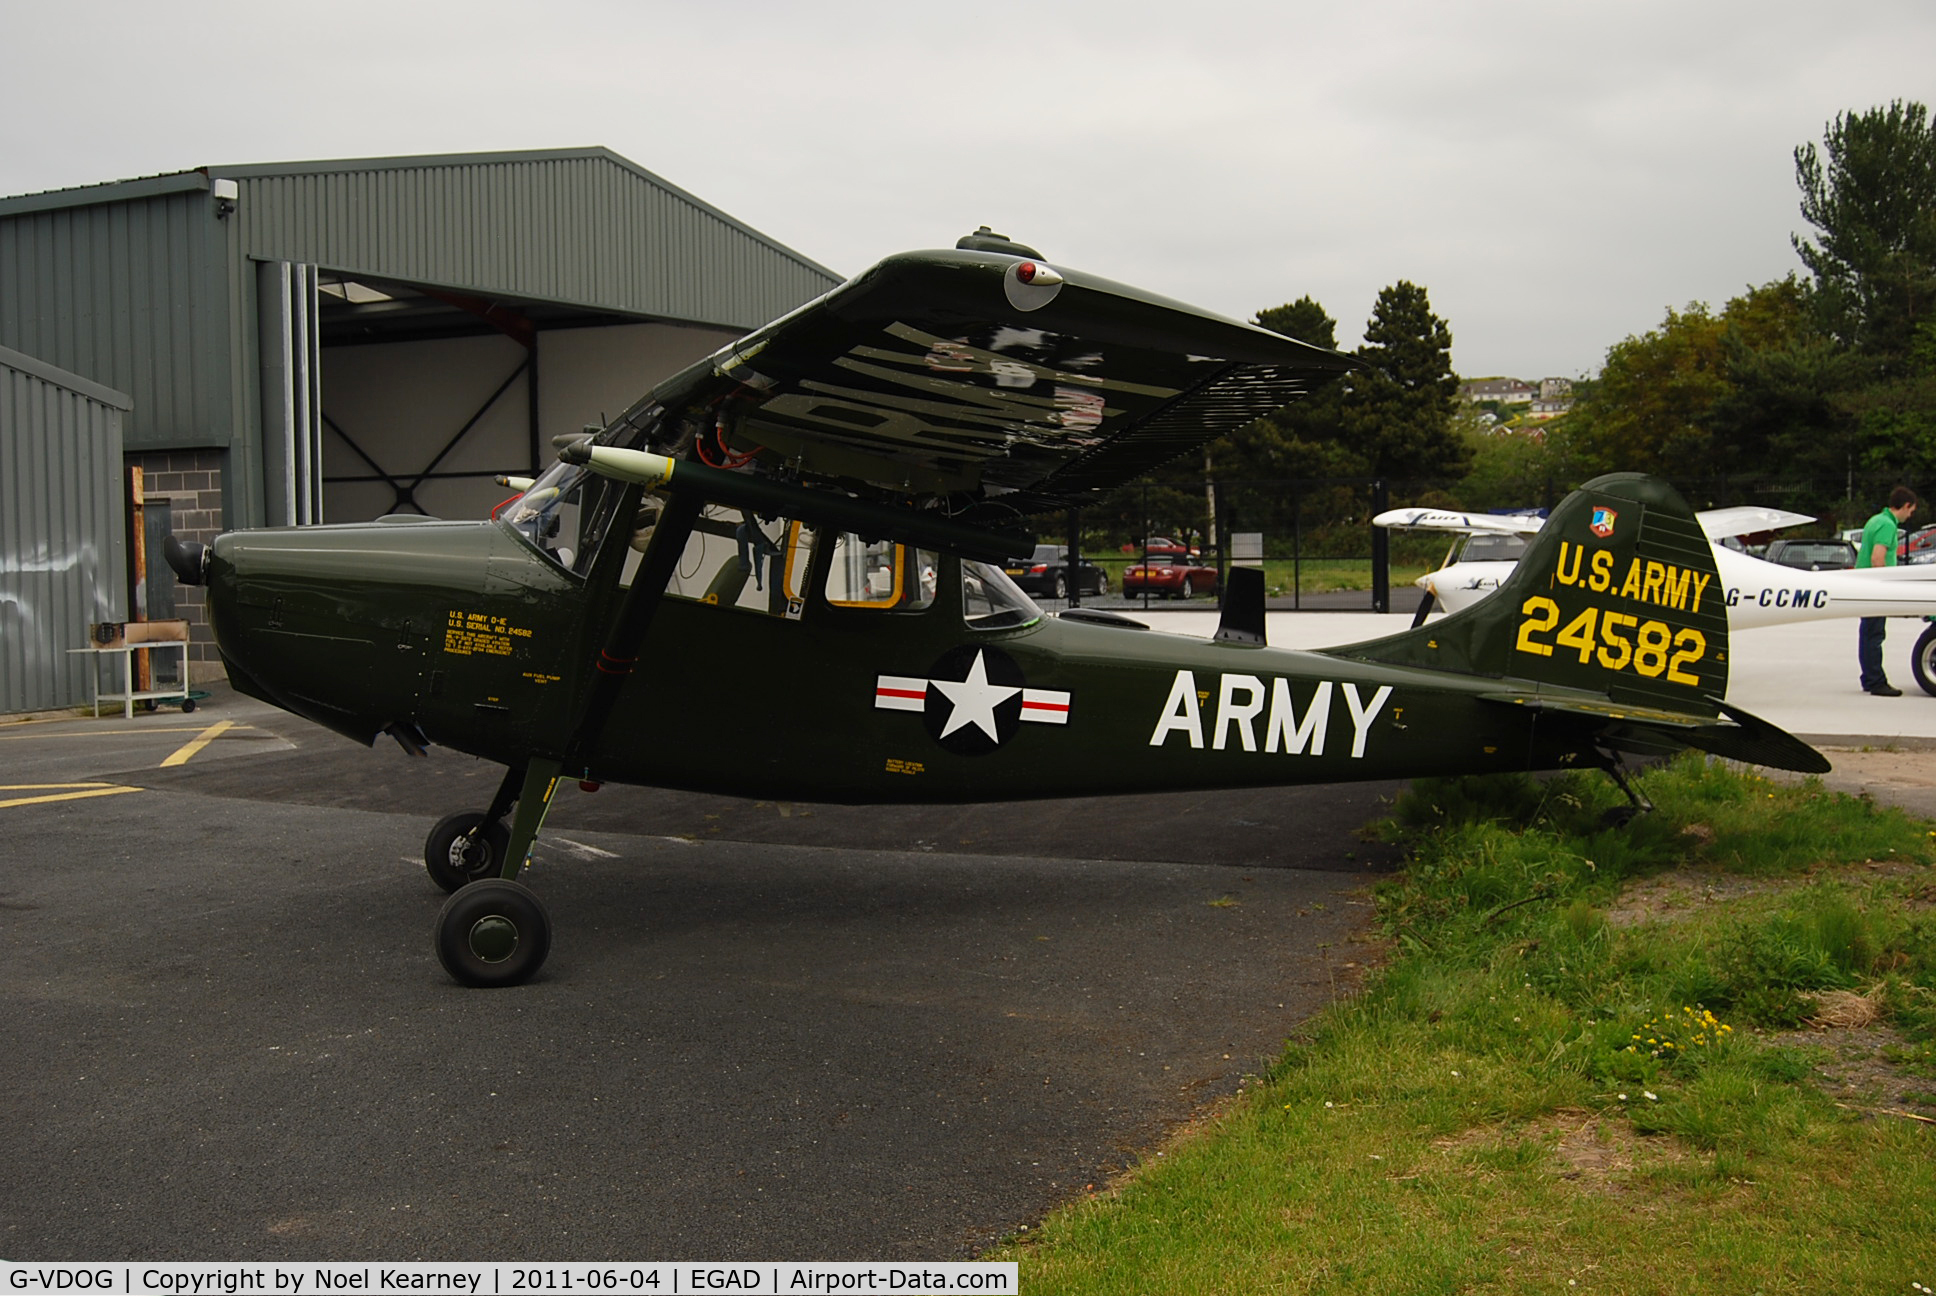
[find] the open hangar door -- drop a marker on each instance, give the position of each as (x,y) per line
(427,394)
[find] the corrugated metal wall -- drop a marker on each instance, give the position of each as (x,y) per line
(63,547)
(583,226)
(134,295)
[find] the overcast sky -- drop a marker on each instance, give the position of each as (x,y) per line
(1555,173)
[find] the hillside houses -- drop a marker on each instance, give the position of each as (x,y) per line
(1514,397)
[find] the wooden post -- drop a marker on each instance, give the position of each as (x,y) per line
(138,669)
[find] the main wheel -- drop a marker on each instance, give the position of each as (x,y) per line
(454,855)
(493,933)
(1061,586)
(1922,659)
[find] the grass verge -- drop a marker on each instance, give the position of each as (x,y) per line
(1693,1054)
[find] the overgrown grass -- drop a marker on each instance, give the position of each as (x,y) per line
(1566,1077)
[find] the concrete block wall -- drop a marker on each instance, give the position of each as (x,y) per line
(192,481)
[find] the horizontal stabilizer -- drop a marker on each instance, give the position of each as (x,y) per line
(1656,731)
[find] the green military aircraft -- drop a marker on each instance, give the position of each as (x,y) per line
(779,575)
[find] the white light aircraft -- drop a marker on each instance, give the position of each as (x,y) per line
(1756,593)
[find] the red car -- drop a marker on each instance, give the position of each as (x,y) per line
(1163,547)
(1170,576)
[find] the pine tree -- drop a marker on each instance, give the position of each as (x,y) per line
(1871,194)
(1398,412)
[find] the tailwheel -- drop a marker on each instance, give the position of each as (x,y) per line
(1922,660)
(463,848)
(493,932)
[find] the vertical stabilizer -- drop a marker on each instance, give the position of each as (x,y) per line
(1617,594)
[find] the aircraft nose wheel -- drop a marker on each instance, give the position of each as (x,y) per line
(454,854)
(493,932)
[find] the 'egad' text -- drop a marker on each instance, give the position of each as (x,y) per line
(1241,703)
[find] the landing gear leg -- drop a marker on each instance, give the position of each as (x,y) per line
(1637,804)
(465,847)
(496,932)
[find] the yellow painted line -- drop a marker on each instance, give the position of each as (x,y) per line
(187,750)
(141,731)
(61,792)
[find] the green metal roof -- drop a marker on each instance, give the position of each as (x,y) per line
(583,227)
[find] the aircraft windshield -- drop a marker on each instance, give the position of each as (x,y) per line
(1486,546)
(548,513)
(991,601)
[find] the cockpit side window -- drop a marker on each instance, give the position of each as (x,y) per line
(739,559)
(991,601)
(881,576)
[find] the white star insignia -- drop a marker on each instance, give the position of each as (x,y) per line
(975,700)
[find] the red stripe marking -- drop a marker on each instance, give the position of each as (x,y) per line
(901,693)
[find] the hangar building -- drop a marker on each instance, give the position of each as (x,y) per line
(334,341)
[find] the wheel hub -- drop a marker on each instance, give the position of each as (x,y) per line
(493,938)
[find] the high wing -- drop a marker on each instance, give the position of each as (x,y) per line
(1431,519)
(986,385)
(1718,524)
(1747,519)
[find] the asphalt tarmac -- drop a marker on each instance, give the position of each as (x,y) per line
(766,1031)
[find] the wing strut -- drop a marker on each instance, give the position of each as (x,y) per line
(617,658)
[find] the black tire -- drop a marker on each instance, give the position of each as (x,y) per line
(454,861)
(1102,583)
(493,933)
(1922,659)
(188,705)
(1061,586)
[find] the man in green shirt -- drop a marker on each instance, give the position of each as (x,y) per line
(1878,549)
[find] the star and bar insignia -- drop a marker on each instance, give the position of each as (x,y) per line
(973,700)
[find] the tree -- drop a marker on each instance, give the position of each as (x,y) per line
(1303,319)
(1509,467)
(1897,415)
(1302,439)
(1671,401)
(1873,200)
(1397,412)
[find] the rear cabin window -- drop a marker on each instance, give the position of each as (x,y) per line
(881,576)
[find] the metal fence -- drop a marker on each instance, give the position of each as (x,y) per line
(1320,551)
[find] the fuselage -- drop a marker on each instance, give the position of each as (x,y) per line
(470,636)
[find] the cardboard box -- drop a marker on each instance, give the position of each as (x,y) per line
(119,634)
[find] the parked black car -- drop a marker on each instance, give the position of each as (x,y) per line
(1046,572)
(1812,555)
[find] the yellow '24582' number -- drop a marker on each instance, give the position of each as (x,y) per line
(1652,649)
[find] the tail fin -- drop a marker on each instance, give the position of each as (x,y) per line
(1616,594)
(1615,618)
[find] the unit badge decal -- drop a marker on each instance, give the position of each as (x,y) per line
(973,700)
(1602,524)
